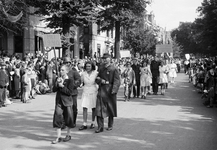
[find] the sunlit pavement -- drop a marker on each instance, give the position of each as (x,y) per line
(176,121)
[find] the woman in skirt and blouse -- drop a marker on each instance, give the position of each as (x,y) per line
(63,114)
(163,69)
(173,71)
(145,79)
(89,93)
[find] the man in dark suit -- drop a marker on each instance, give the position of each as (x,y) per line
(136,69)
(155,74)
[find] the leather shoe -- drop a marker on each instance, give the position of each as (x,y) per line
(92,126)
(67,138)
(83,127)
(57,141)
(99,130)
(109,129)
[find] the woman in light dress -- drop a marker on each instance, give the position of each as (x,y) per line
(163,69)
(89,93)
(145,79)
(173,71)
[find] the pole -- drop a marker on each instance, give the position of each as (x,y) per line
(57,70)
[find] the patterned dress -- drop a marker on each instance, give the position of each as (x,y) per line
(145,77)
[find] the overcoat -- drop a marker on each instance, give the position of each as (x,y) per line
(106,104)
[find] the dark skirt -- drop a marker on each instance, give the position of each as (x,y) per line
(63,116)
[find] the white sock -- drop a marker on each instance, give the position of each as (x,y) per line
(85,124)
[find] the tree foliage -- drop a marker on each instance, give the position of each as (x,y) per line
(184,38)
(120,13)
(206,26)
(72,12)
(143,41)
(9,11)
(201,35)
(123,11)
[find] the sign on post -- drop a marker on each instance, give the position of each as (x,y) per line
(164,48)
(52,40)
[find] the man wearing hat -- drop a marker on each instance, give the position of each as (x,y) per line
(109,82)
(3,84)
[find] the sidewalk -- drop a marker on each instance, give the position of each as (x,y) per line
(175,121)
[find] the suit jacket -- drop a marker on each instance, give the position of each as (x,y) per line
(64,94)
(136,69)
(74,75)
(155,68)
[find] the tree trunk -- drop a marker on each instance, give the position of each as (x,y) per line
(66,30)
(117,39)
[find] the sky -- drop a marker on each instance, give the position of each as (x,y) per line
(168,13)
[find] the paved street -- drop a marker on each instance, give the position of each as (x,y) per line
(175,121)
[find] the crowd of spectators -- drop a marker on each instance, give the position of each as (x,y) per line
(24,78)
(203,75)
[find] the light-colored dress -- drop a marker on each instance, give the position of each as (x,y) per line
(145,76)
(89,89)
(163,76)
(173,69)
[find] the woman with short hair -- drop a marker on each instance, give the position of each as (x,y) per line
(63,114)
(89,93)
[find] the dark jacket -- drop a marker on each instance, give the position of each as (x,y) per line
(64,94)
(74,75)
(155,68)
(136,69)
(3,79)
(106,104)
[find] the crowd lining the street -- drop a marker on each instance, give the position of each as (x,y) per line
(202,74)
(24,79)
(140,77)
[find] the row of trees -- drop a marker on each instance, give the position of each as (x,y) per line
(118,14)
(200,36)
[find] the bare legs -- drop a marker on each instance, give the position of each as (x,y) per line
(85,114)
(163,87)
(144,91)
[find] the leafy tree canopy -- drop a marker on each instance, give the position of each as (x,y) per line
(201,35)
(12,15)
(61,13)
(124,11)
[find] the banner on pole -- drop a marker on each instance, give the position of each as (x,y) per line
(52,40)
(164,48)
